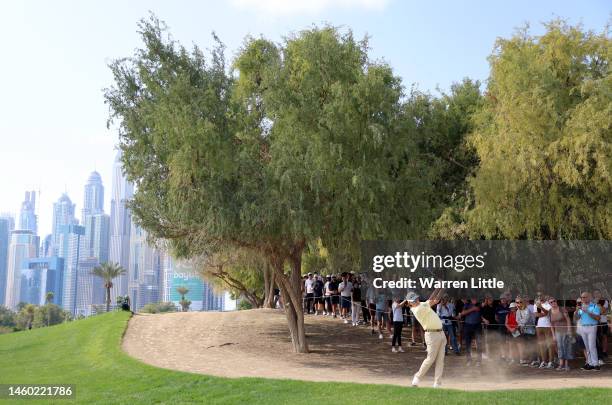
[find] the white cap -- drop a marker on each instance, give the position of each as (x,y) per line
(412,296)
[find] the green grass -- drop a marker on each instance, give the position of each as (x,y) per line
(87,353)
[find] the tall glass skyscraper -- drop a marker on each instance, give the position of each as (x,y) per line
(23,246)
(145,272)
(27,215)
(70,241)
(96,237)
(93,201)
(90,288)
(6,226)
(63,214)
(120,226)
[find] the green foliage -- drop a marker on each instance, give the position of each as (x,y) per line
(543,138)
(7,317)
(238,271)
(244,304)
(304,141)
(159,307)
(108,272)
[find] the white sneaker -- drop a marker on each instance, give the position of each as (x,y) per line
(399,349)
(601,362)
(543,364)
(437,385)
(550,365)
(415,381)
(380,336)
(346,321)
(393,350)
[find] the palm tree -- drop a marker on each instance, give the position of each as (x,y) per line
(108,272)
(49,297)
(184,302)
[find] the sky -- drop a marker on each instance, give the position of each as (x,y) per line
(53,66)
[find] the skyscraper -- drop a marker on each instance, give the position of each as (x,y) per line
(70,241)
(93,201)
(96,237)
(6,226)
(63,214)
(27,215)
(23,246)
(145,269)
(90,288)
(120,226)
(40,276)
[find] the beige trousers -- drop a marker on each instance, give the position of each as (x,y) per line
(435,354)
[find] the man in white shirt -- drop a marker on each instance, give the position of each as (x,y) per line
(345,288)
(309,287)
(434,336)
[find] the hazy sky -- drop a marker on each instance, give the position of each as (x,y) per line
(55,54)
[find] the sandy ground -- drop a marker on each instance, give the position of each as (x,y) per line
(256,343)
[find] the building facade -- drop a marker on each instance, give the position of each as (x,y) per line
(23,246)
(70,241)
(120,226)
(6,227)
(90,288)
(27,216)
(39,277)
(63,214)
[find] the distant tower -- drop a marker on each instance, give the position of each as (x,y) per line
(63,214)
(24,245)
(27,215)
(93,201)
(120,226)
(70,242)
(6,227)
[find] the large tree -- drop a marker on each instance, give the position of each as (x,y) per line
(303,140)
(543,141)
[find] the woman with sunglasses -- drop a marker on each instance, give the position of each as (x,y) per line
(561,324)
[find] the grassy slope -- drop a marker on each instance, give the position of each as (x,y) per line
(87,353)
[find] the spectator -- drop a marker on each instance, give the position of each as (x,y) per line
(544,333)
(335,295)
(526,325)
(487,312)
(561,323)
(398,324)
(346,290)
(446,312)
(356,302)
(309,288)
(602,329)
(501,312)
(371,299)
(327,294)
(514,346)
(589,315)
(381,313)
(472,329)
(318,295)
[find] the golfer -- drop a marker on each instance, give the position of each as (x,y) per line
(434,335)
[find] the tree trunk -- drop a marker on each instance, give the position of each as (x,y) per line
(293,302)
(108,299)
(268,301)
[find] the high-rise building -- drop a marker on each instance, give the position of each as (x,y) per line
(39,277)
(23,246)
(70,242)
(90,288)
(145,269)
(27,216)
(6,226)
(96,238)
(63,214)
(120,226)
(93,201)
